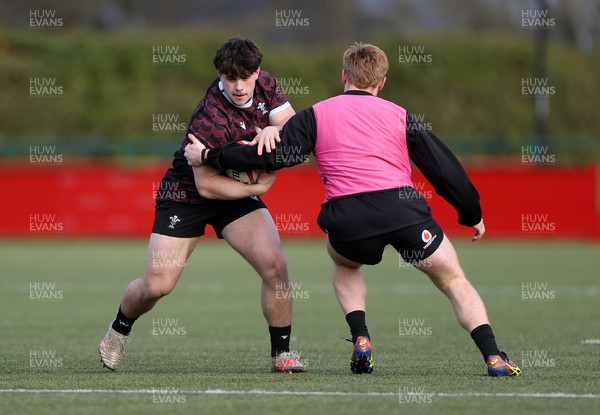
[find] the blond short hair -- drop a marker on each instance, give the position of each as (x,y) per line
(365,65)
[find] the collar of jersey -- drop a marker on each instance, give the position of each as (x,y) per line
(246,105)
(357,92)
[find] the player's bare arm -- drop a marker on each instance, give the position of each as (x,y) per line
(212,185)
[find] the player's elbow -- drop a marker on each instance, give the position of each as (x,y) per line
(205,192)
(203,189)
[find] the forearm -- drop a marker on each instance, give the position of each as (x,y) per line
(297,142)
(241,157)
(224,188)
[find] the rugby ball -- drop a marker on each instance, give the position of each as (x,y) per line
(247,177)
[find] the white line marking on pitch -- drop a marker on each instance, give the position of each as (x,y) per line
(558,395)
(591,341)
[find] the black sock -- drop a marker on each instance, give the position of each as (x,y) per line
(122,323)
(280,339)
(358,326)
(485,340)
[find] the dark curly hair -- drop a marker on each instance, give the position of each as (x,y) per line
(237,58)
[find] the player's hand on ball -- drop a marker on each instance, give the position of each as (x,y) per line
(267,138)
(193,151)
(479,231)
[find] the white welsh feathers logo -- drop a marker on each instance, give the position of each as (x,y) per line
(262,106)
(174,220)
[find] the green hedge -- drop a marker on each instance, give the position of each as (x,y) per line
(111,88)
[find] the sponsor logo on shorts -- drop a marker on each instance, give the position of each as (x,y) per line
(428,238)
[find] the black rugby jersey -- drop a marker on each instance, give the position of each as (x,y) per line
(215,122)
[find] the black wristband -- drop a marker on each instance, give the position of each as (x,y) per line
(210,157)
(203,155)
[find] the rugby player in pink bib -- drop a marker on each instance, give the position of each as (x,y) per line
(363,146)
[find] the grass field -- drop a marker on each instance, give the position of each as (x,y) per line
(205,348)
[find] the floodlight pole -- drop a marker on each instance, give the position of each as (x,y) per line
(542,104)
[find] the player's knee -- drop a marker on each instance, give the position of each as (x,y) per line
(157,289)
(159,283)
(450,279)
(274,270)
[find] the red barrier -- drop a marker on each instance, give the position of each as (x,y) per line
(101,200)
(530,203)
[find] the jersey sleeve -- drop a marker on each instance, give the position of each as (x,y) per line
(298,137)
(442,169)
(209,123)
(278,100)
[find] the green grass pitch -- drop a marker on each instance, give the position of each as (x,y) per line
(205,347)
